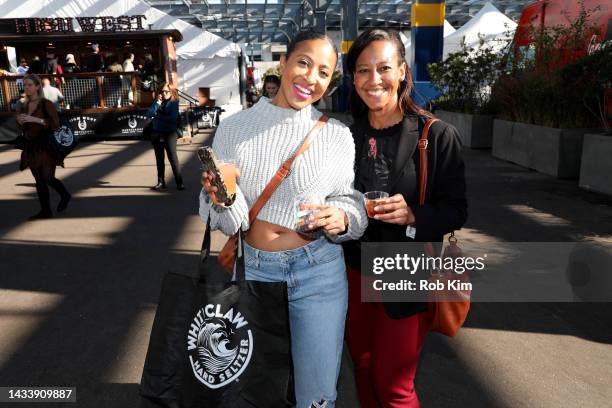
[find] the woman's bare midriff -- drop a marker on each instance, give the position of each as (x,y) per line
(272,238)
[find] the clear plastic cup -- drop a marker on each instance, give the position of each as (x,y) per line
(372,199)
(303,211)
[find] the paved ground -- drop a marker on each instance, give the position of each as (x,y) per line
(78,292)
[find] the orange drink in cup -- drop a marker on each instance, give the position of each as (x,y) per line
(228,172)
(372,199)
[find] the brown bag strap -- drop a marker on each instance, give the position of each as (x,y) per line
(423,143)
(284,170)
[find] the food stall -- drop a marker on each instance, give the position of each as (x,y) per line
(98,105)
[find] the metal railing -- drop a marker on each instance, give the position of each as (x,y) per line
(84,90)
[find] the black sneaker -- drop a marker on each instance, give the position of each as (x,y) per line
(159,186)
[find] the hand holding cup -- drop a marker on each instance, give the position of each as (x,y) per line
(332,220)
(393,210)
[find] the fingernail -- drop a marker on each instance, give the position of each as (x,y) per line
(376,209)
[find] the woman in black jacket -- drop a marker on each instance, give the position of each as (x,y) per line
(165,113)
(385,339)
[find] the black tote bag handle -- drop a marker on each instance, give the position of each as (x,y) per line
(205,250)
(205,253)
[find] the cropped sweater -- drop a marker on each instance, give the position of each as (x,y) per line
(260,139)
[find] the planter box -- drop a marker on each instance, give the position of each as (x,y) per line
(596,167)
(552,151)
(475,131)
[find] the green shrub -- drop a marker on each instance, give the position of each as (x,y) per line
(465,78)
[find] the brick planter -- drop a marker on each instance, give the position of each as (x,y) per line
(553,151)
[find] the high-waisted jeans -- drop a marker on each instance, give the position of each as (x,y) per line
(318,292)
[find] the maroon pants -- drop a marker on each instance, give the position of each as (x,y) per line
(385,351)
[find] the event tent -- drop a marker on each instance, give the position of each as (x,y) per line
(489,24)
(203,59)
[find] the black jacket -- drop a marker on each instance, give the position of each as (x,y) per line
(445,208)
(94,63)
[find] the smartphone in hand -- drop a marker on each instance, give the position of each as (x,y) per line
(224,175)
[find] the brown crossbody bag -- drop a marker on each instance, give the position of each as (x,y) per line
(447,309)
(227,256)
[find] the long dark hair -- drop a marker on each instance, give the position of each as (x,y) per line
(406,104)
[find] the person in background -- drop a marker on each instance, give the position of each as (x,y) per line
(270,86)
(36,117)
(252,95)
(51,93)
(94,62)
(115,66)
(114,82)
(22,69)
(149,74)
(70,65)
(128,63)
(37,66)
(165,111)
(52,67)
(384,338)
(128,66)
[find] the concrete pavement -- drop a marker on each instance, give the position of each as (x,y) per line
(78,292)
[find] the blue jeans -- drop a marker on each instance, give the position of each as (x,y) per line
(318,292)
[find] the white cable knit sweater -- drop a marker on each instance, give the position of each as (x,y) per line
(260,139)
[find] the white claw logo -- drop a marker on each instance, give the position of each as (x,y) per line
(64,136)
(219,346)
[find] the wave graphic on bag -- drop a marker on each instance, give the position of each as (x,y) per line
(213,346)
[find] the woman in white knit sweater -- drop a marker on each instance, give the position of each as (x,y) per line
(260,139)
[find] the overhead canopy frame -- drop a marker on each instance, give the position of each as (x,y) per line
(268,21)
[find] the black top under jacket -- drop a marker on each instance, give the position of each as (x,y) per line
(445,208)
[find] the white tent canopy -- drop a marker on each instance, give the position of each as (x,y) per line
(204,59)
(448,29)
(489,24)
